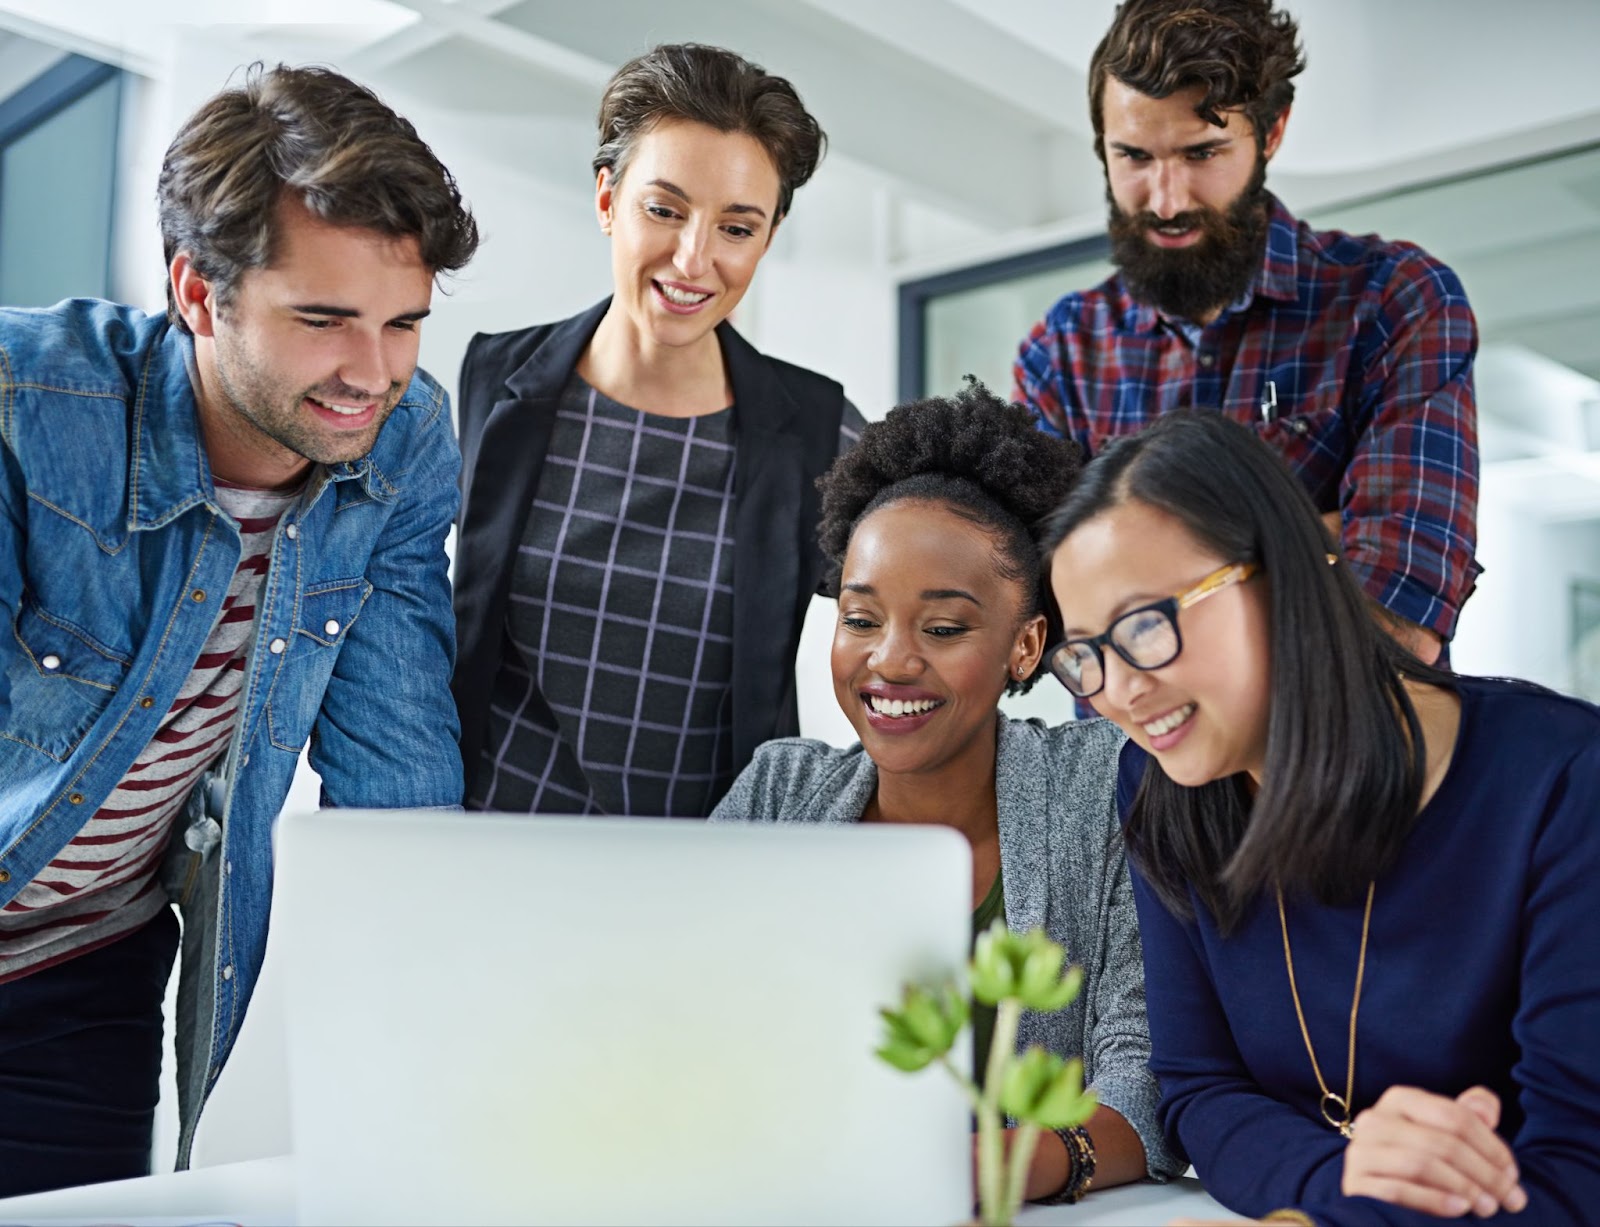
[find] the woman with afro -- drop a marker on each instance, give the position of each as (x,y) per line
(928,526)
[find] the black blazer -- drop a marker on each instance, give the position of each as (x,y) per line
(786,434)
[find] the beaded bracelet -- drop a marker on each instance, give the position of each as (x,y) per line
(1080,1166)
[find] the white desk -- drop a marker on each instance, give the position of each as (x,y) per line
(261,1194)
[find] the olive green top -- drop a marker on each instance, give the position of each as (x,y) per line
(985,914)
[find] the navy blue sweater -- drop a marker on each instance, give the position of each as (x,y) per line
(1483,967)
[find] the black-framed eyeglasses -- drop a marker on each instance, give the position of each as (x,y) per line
(1147,637)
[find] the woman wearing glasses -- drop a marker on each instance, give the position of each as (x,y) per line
(1366,887)
(636,554)
(926,524)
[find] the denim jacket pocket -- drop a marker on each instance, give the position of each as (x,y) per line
(60,683)
(327,611)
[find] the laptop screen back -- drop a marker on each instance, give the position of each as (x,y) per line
(534,1020)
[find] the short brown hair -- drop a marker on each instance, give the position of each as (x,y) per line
(1244,54)
(349,158)
(717,88)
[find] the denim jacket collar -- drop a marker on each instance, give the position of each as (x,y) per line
(168,472)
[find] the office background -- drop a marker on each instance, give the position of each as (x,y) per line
(960,197)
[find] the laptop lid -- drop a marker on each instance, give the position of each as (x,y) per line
(499,1019)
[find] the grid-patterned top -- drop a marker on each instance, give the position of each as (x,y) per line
(615,691)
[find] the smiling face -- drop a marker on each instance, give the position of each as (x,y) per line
(311,354)
(1188,211)
(689,221)
(1203,716)
(929,632)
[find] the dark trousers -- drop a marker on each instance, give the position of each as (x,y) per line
(80,1063)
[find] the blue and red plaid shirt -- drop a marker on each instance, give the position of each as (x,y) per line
(1350,355)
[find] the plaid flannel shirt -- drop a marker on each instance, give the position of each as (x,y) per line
(1350,355)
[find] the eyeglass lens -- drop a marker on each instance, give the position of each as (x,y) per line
(1145,638)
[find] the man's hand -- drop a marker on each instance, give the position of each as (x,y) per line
(1434,1154)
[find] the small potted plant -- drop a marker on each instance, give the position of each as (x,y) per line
(1036,1088)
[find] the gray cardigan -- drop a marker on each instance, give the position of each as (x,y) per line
(1062,863)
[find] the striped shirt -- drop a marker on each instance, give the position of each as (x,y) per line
(1350,355)
(104,884)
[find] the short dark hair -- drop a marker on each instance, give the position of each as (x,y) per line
(316,135)
(984,459)
(1341,785)
(1244,54)
(715,87)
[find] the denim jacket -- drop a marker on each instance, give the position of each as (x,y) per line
(114,561)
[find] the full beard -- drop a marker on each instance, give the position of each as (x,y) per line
(1196,281)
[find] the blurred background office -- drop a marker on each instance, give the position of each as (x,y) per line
(960,197)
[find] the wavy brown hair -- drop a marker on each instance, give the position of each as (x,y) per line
(329,141)
(720,89)
(1242,52)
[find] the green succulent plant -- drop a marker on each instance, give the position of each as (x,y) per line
(1037,1089)
(924,1028)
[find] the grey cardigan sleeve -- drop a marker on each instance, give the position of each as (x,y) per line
(1092,913)
(757,794)
(797,779)
(1118,1034)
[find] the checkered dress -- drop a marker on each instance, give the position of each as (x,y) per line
(615,689)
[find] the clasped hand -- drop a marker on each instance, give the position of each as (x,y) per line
(1434,1154)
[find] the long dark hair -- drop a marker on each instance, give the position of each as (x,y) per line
(1345,758)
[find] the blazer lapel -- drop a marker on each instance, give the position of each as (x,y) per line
(766,560)
(506,458)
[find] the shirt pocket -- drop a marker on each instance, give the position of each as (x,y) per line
(327,612)
(61,680)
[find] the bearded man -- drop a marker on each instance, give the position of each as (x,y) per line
(1351,355)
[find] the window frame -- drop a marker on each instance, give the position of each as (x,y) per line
(64,83)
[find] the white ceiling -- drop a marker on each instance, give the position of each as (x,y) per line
(969,116)
(956,104)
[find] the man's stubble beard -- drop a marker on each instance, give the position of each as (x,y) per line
(274,412)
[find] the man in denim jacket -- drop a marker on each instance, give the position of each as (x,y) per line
(221,536)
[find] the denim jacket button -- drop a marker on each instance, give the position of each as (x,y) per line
(276,647)
(291,532)
(331,626)
(52,661)
(227,972)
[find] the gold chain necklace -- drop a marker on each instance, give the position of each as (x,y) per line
(1341,1122)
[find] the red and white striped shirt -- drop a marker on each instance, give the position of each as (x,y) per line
(104,884)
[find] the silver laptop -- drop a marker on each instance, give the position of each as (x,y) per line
(546,1020)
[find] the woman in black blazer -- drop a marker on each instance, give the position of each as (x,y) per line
(637,547)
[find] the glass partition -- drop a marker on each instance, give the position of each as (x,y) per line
(1525,240)
(58,146)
